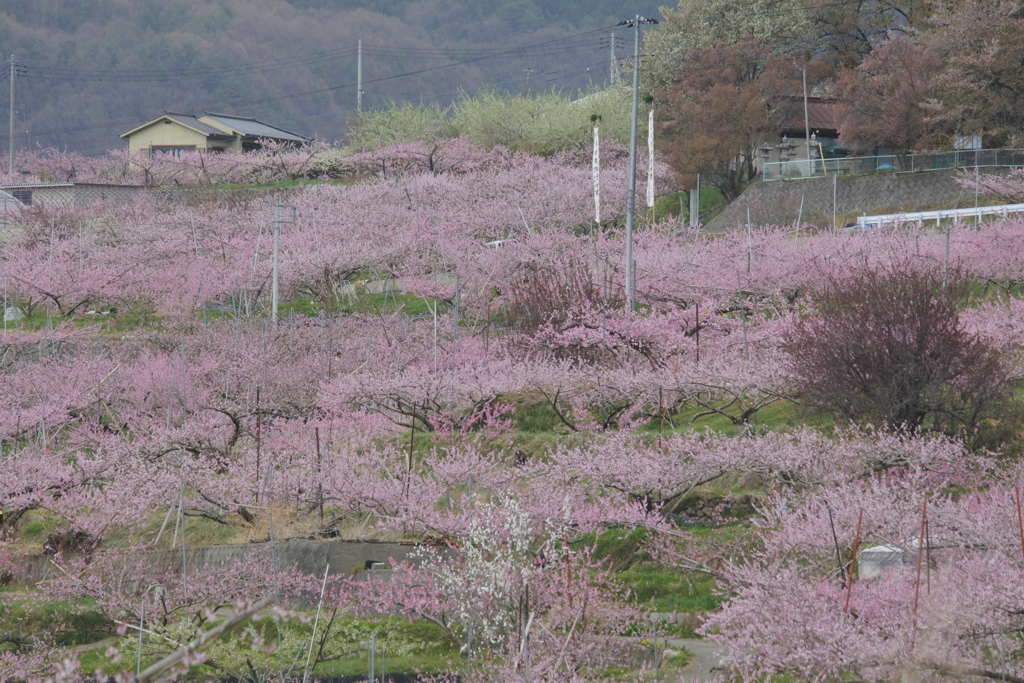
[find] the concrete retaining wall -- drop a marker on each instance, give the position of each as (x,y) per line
(778,202)
(346,558)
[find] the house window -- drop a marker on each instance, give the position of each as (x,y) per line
(175,152)
(23,196)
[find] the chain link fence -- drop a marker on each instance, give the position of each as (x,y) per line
(907,163)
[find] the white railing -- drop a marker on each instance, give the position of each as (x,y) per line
(921,217)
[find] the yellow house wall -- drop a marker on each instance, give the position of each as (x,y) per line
(162,134)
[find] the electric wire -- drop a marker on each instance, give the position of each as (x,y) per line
(568,43)
(459,57)
(492,54)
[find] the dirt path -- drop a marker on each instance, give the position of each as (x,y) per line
(706,660)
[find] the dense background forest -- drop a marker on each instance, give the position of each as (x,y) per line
(91,69)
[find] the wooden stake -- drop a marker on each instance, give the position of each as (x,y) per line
(1020,521)
(928,557)
(661,419)
(696,327)
(920,558)
(835,542)
(568,570)
(412,441)
(258,425)
(319,478)
(853,562)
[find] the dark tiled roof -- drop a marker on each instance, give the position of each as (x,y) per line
(194,122)
(253,128)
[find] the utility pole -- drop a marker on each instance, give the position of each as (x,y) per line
(807,125)
(529,81)
(631,197)
(611,65)
(359,79)
(10,141)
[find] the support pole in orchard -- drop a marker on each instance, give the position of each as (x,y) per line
(650,162)
(853,562)
(920,558)
(279,220)
(316,622)
(595,167)
(277,260)
(1020,520)
(695,204)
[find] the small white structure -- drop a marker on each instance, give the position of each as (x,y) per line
(872,561)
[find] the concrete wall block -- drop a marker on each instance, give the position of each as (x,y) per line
(778,202)
(347,558)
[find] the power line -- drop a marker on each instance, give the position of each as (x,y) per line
(41,71)
(492,54)
(555,46)
(472,55)
(417,72)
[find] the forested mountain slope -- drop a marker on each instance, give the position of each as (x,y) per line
(91,69)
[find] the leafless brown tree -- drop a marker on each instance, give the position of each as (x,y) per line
(887,346)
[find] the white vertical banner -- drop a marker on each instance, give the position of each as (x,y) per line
(596,168)
(650,160)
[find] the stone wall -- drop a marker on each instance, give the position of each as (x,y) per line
(778,202)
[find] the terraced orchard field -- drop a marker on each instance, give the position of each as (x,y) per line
(450,360)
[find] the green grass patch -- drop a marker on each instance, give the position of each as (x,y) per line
(276,185)
(622,549)
(777,416)
(67,623)
(400,646)
(536,418)
(362,303)
(104,318)
(668,590)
